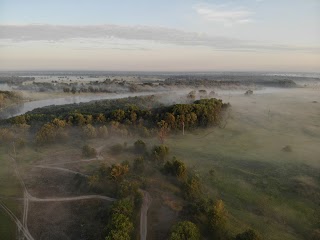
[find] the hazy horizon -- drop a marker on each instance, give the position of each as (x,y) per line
(166,36)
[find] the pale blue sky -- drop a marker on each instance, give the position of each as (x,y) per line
(264,35)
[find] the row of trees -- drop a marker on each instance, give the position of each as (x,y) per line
(130,119)
(120,226)
(7,98)
(209,213)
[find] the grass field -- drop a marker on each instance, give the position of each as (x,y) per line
(265,188)
(9,188)
(273,191)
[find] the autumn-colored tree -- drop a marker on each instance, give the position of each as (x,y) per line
(19,120)
(170,120)
(163,130)
(118,115)
(46,134)
(192,95)
(89,131)
(117,171)
(102,131)
(101,118)
(217,219)
(176,168)
(160,152)
(6,135)
(192,188)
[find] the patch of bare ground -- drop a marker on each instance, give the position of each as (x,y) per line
(80,220)
(61,157)
(162,215)
(45,183)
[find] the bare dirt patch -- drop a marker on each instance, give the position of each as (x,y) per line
(84,219)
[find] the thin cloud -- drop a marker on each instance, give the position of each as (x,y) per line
(105,34)
(223,14)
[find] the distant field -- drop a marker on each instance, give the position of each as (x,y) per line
(274,191)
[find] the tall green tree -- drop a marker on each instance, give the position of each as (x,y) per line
(217,219)
(185,231)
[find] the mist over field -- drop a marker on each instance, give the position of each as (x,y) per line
(83,142)
(159,120)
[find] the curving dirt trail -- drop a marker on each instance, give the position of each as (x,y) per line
(20,226)
(144,214)
(64,199)
(23,227)
(28,197)
(61,169)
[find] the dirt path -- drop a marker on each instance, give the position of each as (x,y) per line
(64,199)
(82,160)
(61,169)
(19,225)
(144,214)
(28,197)
(25,199)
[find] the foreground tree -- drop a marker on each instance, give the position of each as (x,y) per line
(140,146)
(185,231)
(163,130)
(160,152)
(121,227)
(117,171)
(88,151)
(217,219)
(176,168)
(192,188)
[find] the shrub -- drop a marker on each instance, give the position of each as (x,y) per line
(175,167)
(140,146)
(185,230)
(160,152)
(88,151)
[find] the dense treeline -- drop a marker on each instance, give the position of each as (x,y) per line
(8,97)
(230,80)
(122,116)
(201,216)
(14,80)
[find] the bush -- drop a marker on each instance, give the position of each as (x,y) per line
(140,146)
(192,188)
(117,171)
(89,131)
(160,152)
(88,151)
(175,167)
(217,217)
(127,188)
(185,230)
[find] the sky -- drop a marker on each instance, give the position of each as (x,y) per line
(166,35)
